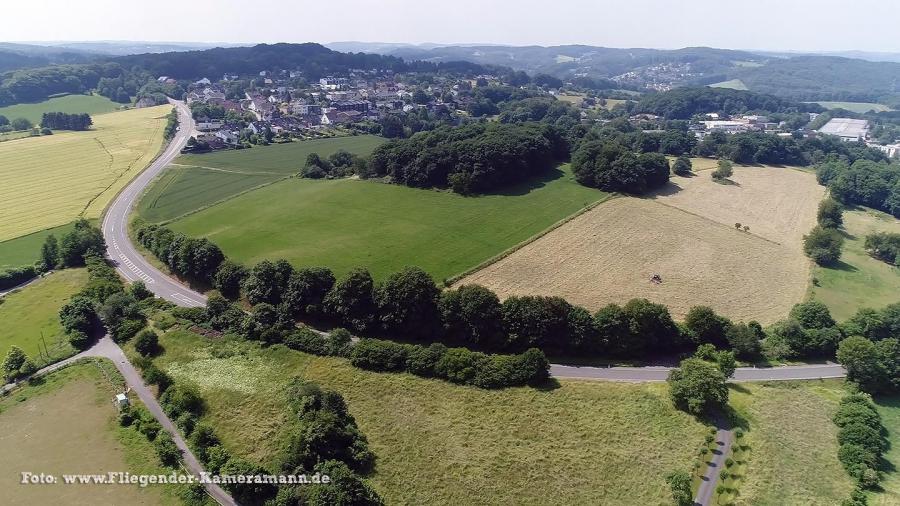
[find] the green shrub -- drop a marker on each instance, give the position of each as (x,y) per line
(165,447)
(378,355)
(146,342)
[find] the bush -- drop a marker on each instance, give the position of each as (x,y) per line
(724,171)
(830,214)
(146,342)
(338,342)
(153,375)
(421,360)
(857,433)
(165,447)
(180,398)
(854,457)
(682,166)
(857,413)
(16,276)
(378,355)
(307,340)
(126,329)
(79,340)
(457,365)
(823,245)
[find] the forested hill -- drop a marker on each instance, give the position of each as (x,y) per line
(824,78)
(314,60)
(682,103)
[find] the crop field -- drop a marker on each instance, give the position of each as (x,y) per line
(32,313)
(686,234)
(91,104)
(49,181)
(859,107)
(344,223)
(198,181)
(793,457)
(67,424)
(439,443)
(859,280)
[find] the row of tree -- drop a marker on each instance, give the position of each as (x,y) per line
(825,242)
(65,121)
(612,167)
(861,442)
(197,260)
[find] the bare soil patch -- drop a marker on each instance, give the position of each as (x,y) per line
(685,234)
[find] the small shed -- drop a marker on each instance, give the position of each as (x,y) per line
(121,401)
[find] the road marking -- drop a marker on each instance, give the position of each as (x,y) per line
(134,268)
(184,298)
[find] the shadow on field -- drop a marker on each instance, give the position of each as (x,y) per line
(526,187)
(843,266)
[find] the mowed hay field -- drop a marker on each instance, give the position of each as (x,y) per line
(50,180)
(67,424)
(685,234)
(439,443)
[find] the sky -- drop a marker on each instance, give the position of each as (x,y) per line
(801,25)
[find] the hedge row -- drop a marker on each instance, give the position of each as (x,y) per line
(459,365)
(861,439)
(16,276)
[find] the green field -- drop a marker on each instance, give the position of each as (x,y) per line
(734,84)
(793,456)
(49,181)
(859,107)
(439,443)
(67,424)
(284,159)
(859,280)
(889,408)
(34,310)
(198,181)
(345,223)
(25,250)
(91,104)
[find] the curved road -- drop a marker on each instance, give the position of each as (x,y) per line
(119,249)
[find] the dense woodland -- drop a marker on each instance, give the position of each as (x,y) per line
(471,159)
(683,103)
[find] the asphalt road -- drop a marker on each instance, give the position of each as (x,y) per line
(642,374)
(119,248)
(107,348)
(708,482)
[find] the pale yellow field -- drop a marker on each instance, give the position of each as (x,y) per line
(686,235)
(51,180)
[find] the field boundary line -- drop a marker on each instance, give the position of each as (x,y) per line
(509,251)
(229,171)
(670,206)
(226,199)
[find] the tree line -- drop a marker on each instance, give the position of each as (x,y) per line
(36,84)
(65,121)
(686,102)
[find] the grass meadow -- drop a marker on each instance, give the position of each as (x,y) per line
(793,443)
(49,181)
(858,107)
(26,249)
(66,423)
(440,443)
(91,104)
(734,84)
(858,280)
(33,311)
(889,408)
(346,223)
(198,181)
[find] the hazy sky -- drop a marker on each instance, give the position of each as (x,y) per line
(806,25)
